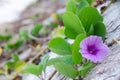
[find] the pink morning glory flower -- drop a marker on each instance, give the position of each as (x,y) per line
(93,49)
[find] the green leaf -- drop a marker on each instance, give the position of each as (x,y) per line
(43,63)
(14,63)
(15,57)
(19,65)
(100,30)
(73,25)
(10,64)
(82,4)
(5,37)
(65,59)
(71,6)
(84,69)
(59,46)
(36,29)
(31,68)
(91,31)
(15,45)
(76,56)
(89,16)
(40,69)
(66,70)
(23,35)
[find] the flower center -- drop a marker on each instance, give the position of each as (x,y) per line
(92,50)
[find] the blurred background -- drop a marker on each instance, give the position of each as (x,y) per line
(25,28)
(25,12)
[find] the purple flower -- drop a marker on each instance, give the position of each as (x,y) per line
(93,49)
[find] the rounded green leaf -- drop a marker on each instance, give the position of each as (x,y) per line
(67,70)
(65,59)
(73,25)
(43,62)
(19,65)
(59,46)
(100,30)
(71,6)
(76,56)
(89,16)
(31,68)
(82,4)
(36,29)
(5,37)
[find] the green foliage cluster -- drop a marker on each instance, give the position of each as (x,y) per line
(23,37)
(80,21)
(15,63)
(36,69)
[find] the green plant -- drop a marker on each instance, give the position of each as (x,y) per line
(80,22)
(5,37)
(36,69)
(84,25)
(36,29)
(16,45)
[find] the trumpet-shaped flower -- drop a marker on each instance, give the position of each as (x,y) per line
(93,49)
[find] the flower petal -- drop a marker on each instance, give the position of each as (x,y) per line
(94,40)
(90,57)
(102,53)
(83,44)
